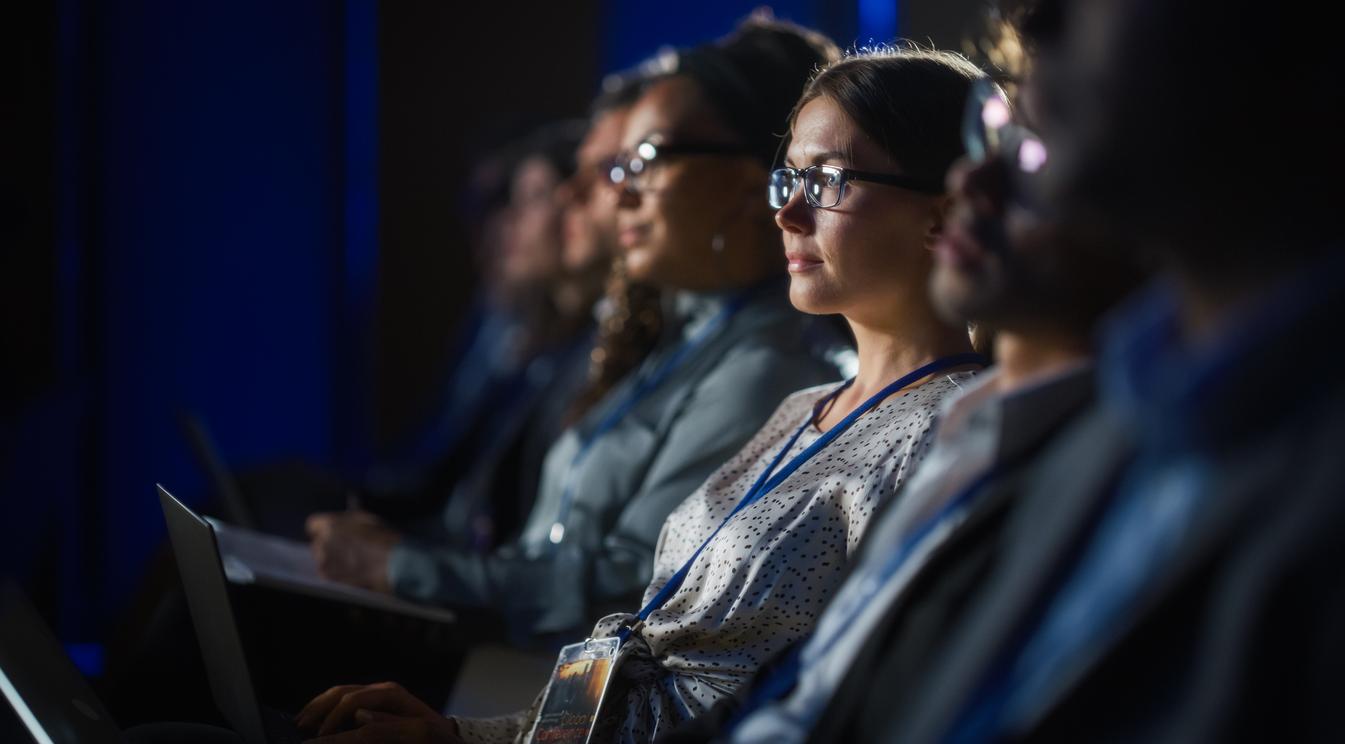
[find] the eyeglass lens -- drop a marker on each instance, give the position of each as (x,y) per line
(822,186)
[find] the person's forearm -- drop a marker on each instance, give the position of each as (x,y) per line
(439,575)
(537,594)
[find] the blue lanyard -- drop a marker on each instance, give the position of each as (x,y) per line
(637,393)
(770,477)
(786,674)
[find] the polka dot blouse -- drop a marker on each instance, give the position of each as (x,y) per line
(760,585)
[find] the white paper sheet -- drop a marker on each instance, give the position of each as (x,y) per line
(267,560)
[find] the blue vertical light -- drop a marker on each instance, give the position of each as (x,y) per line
(877,21)
(67,489)
(360,206)
(71,157)
(217,200)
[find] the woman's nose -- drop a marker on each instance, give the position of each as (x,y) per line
(626,197)
(796,215)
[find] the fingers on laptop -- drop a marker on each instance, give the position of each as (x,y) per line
(317,709)
(390,729)
(319,523)
(394,729)
(335,709)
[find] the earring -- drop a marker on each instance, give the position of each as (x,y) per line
(717,243)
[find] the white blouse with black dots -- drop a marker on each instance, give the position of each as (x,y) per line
(759,586)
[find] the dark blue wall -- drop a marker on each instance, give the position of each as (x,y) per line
(215,243)
(220,210)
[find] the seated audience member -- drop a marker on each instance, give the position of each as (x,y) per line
(356,547)
(630,315)
(745,564)
(1171,571)
(551,281)
(732,348)
(1040,286)
(521,344)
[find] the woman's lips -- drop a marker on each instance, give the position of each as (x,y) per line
(629,237)
(800,263)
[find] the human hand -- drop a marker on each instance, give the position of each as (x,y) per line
(385,712)
(353,547)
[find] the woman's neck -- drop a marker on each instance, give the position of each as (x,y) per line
(887,353)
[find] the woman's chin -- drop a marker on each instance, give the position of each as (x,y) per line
(639,265)
(807,298)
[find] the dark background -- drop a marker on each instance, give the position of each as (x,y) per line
(255,211)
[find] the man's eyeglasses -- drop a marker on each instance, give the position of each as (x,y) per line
(824,185)
(632,170)
(988,130)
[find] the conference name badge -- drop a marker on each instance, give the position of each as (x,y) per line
(575,693)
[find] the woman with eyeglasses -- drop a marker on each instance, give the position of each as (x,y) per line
(745,564)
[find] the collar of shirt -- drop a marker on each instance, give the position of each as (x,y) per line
(1020,417)
(1183,396)
(689,312)
(1031,412)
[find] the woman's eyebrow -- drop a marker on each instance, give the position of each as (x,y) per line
(822,157)
(819,158)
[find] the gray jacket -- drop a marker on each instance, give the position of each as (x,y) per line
(633,476)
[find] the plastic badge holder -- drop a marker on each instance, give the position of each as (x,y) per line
(575,693)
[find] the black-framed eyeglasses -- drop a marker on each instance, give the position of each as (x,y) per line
(989,130)
(631,170)
(824,185)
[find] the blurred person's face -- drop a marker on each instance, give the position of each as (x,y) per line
(870,255)
(667,228)
(1003,263)
(531,238)
(590,207)
(993,248)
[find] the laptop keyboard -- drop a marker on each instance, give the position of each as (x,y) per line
(280,728)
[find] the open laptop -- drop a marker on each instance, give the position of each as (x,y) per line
(250,557)
(207,590)
(48,694)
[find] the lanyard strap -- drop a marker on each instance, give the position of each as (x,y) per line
(638,392)
(786,674)
(770,477)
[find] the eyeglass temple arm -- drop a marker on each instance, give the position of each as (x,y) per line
(907,182)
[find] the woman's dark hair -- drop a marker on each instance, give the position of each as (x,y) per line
(619,90)
(492,177)
(753,77)
(554,143)
(910,102)
(629,324)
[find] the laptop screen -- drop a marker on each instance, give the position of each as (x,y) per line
(47,692)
